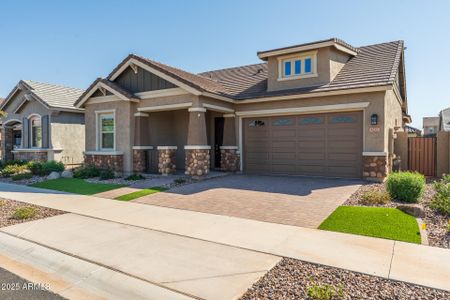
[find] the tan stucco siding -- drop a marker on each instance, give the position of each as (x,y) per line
(166,101)
(374,141)
(393,115)
(28,108)
(124,128)
(70,138)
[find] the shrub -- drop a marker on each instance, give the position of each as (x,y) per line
(12,162)
(441,201)
(2,202)
(324,292)
(13,169)
(180,180)
(84,172)
(135,177)
(45,168)
(26,212)
(106,174)
(375,197)
(405,186)
(21,176)
(446,178)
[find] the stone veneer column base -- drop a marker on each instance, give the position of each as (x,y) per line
(229,158)
(108,161)
(167,160)
(197,161)
(139,160)
(375,167)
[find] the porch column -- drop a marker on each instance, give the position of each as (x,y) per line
(197,149)
(7,143)
(229,153)
(141,142)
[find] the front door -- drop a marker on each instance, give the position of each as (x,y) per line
(218,139)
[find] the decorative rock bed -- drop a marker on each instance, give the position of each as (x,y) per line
(291,278)
(437,224)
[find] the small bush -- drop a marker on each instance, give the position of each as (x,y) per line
(85,172)
(106,174)
(441,201)
(21,176)
(23,213)
(446,178)
(405,186)
(2,202)
(324,292)
(180,180)
(12,170)
(12,162)
(45,168)
(375,198)
(135,177)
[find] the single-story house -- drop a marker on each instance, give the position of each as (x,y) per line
(412,131)
(444,120)
(323,108)
(42,123)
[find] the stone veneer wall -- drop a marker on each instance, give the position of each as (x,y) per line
(139,160)
(112,162)
(197,162)
(35,155)
(7,143)
(375,167)
(167,161)
(229,160)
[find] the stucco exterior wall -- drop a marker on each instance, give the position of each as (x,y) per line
(443,153)
(124,127)
(393,115)
(31,107)
(69,138)
(374,141)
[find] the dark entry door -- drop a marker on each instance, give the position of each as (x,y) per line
(218,139)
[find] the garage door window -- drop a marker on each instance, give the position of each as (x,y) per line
(311,121)
(343,119)
(283,122)
(257,123)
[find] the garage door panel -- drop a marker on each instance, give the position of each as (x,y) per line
(318,144)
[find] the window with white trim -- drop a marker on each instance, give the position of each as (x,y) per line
(106,131)
(36,132)
(298,66)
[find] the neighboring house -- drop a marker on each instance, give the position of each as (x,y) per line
(42,123)
(430,126)
(412,131)
(324,108)
(444,120)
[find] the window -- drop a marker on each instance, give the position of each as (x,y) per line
(298,66)
(36,132)
(257,123)
(283,122)
(311,121)
(342,119)
(106,131)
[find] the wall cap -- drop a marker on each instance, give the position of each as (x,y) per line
(142,147)
(103,153)
(167,147)
(374,154)
(229,147)
(197,147)
(36,149)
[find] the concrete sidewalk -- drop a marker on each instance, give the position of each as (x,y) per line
(417,264)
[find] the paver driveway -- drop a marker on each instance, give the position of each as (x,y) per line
(299,201)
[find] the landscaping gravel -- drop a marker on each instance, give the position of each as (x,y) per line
(32,180)
(437,224)
(7,208)
(290,279)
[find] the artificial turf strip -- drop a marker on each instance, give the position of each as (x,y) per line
(77,186)
(388,223)
(141,193)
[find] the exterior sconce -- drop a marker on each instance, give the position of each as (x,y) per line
(374,119)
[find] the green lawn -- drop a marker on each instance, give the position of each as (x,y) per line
(388,223)
(77,186)
(140,193)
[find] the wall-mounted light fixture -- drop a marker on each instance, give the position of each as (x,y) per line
(374,119)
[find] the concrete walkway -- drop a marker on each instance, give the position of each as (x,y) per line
(417,264)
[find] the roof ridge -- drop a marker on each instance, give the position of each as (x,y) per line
(379,44)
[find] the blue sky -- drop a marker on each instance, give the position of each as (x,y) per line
(73,42)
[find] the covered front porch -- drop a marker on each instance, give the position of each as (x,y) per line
(183,137)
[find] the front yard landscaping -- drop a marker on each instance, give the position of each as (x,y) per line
(76,185)
(15,212)
(141,193)
(388,223)
(295,279)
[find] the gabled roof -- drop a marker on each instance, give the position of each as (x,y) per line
(110,86)
(50,95)
(373,66)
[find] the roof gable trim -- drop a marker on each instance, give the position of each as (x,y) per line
(98,86)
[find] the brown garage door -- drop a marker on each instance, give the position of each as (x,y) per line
(317,145)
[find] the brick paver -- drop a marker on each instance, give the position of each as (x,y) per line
(298,201)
